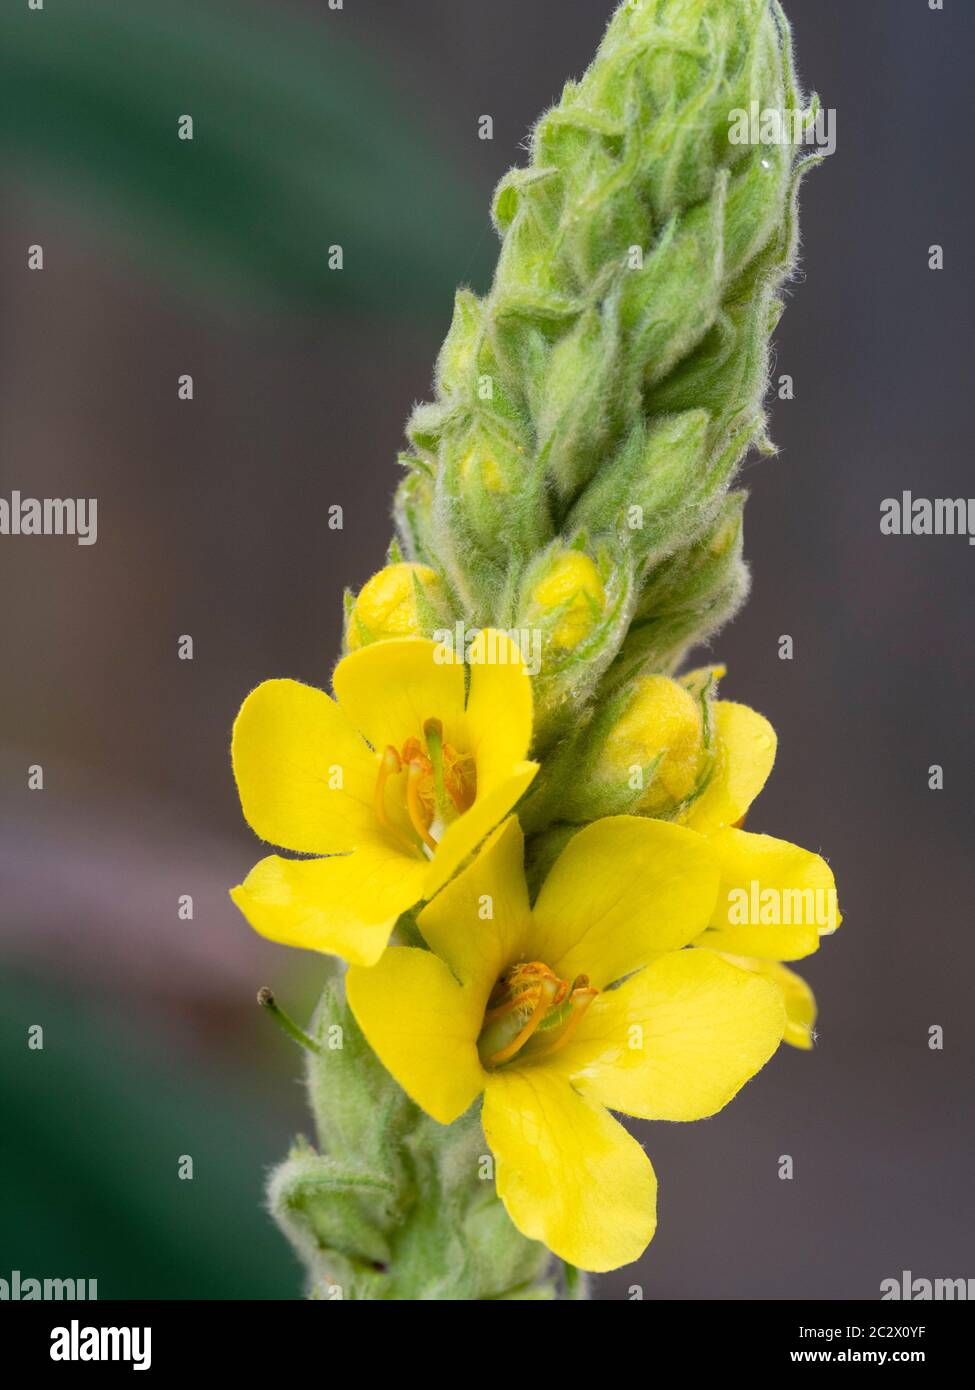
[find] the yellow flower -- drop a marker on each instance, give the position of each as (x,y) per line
(775,899)
(518,1003)
(387,604)
(397,781)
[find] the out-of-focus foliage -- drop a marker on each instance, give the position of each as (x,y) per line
(91,1187)
(299,144)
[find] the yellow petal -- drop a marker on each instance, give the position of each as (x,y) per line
(305,777)
(676,1041)
(567,1172)
(499,709)
(463,835)
(388,689)
(745,745)
(345,905)
(800,1002)
(423,1027)
(480,921)
(775,899)
(623,890)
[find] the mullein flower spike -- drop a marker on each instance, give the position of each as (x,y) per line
(606,389)
(527,827)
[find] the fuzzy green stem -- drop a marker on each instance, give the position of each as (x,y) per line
(285,1022)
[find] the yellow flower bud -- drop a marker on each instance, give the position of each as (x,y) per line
(573,581)
(387,604)
(479,465)
(662,720)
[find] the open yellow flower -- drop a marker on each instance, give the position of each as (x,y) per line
(775,900)
(709,760)
(519,1003)
(397,781)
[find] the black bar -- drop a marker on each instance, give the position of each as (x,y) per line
(291,1339)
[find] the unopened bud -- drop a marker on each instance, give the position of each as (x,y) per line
(402,600)
(660,736)
(571,593)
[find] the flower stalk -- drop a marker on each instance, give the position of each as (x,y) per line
(536,869)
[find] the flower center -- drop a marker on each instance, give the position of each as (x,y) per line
(440,785)
(531,1014)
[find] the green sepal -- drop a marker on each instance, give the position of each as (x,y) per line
(326,1204)
(573,409)
(650,496)
(361,1115)
(687,598)
(568,678)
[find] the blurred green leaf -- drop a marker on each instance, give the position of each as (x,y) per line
(299,144)
(93,1128)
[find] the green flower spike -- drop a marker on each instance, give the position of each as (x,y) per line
(604,393)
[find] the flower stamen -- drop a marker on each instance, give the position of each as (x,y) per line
(440,785)
(578,1002)
(527,1001)
(418,770)
(504,1054)
(389,766)
(433,732)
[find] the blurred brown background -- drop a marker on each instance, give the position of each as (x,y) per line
(359,127)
